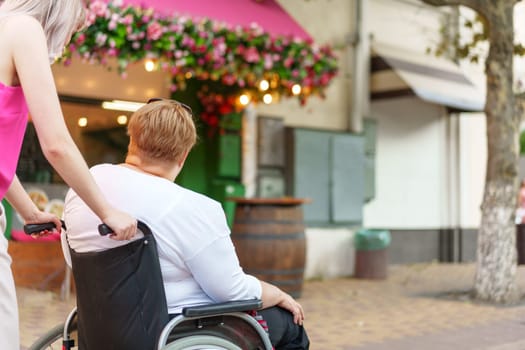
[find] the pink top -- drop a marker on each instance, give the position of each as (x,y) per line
(13,121)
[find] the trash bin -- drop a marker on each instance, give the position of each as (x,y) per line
(371,253)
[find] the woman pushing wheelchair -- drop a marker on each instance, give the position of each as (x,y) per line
(197,257)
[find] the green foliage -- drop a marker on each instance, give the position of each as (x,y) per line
(522,142)
(469,49)
(202,49)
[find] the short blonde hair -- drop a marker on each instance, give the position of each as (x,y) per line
(60,19)
(161,130)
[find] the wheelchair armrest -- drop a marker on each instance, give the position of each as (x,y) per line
(222,308)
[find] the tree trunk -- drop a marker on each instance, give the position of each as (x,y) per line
(496,255)
(496,266)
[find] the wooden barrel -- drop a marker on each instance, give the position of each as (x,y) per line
(269,238)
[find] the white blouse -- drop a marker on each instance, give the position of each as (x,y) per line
(197,257)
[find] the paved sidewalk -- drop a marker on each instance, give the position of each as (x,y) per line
(400,313)
(404,313)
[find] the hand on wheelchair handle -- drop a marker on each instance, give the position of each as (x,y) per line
(104,230)
(33,229)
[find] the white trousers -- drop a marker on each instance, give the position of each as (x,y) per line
(9,333)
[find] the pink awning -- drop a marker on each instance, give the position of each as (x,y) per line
(266,13)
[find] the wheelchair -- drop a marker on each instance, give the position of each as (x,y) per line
(108,282)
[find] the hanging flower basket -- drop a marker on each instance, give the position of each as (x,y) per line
(202,48)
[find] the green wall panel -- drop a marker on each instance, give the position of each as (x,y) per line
(329,168)
(311,169)
(348,178)
(370,135)
(229,157)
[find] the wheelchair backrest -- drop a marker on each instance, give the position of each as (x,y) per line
(121,301)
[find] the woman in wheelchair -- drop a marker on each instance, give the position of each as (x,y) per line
(197,258)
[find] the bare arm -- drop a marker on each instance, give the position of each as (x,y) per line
(19,199)
(273,296)
(35,76)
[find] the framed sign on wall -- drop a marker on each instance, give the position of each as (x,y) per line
(270,136)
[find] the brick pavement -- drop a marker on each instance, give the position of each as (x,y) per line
(400,313)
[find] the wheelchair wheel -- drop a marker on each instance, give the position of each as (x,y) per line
(201,342)
(52,339)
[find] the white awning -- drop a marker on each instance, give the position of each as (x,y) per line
(398,72)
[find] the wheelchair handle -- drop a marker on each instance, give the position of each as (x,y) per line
(30,229)
(104,229)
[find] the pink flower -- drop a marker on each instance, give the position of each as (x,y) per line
(229,79)
(251,55)
(81,38)
(256,28)
(112,52)
(155,31)
(127,20)
(268,61)
(288,62)
(91,18)
(307,81)
(325,79)
(188,41)
(177,28)
(101,39)
(99,8)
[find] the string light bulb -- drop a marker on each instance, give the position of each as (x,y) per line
(264,85)
(244,99)
(296,89)
(150,65)
(82,122)
(267,98)
(122,119)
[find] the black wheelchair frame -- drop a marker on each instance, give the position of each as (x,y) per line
(213,326)
(226,326)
